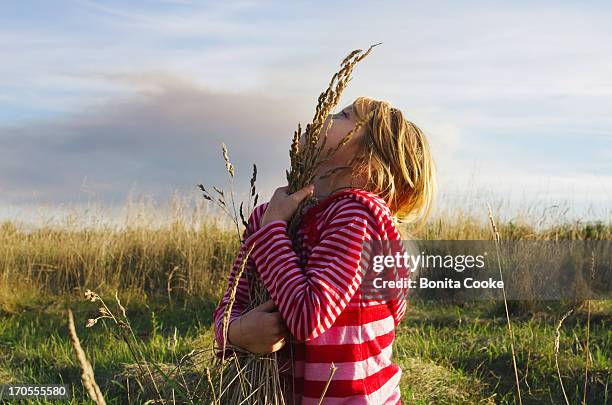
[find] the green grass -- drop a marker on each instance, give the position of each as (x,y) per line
(35,346)
(449,354)
(473,347)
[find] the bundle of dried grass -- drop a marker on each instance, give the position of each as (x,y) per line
(244,377)
(308,151)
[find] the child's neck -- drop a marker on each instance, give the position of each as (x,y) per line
(329,185)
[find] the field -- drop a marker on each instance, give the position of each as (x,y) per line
(170,272)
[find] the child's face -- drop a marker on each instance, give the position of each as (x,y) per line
(343,122)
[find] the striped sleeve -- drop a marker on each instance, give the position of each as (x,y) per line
(242,292)
(399,310)
(310,298)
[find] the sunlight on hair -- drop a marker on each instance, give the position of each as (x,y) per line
(396,161)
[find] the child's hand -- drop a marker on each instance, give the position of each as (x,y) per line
(261,330)
(282,205)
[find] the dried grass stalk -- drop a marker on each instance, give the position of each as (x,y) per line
(87,373)
(306,161)
(332,371)
(557,346)
(587,353)
(509,323)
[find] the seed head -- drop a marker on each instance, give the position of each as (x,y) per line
(91,296)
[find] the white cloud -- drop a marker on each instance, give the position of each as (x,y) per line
(493,87)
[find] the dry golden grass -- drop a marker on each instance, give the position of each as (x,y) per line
(173,250)
(184,248)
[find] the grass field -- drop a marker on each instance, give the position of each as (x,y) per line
(171,275)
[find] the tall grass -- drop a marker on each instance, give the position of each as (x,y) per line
(184,248)
(180,252)
(183,252)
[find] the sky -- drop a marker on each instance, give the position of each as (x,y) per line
(105,100)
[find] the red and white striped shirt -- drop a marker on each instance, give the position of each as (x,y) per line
(317,294)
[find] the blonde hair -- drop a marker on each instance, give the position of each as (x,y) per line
(396,161)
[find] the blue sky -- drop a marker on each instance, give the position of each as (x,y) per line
(100,98)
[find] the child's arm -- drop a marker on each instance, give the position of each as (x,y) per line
(311,298)
(399,310)
(242,292)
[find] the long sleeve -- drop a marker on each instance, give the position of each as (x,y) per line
(242,292)
(311,298)
(399,308)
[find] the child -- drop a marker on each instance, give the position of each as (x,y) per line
(387,175)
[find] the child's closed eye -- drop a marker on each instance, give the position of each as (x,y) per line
(342,113)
